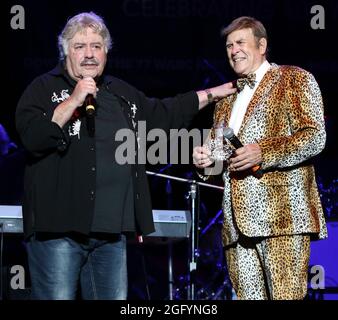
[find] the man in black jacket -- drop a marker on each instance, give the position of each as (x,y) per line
(79,201)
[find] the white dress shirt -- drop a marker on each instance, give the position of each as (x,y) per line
(244,97)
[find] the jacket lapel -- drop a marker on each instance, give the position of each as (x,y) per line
(261,93)
(223,113)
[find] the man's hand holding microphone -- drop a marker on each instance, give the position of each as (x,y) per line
(83,89)
(244,157)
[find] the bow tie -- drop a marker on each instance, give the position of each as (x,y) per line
(250,80)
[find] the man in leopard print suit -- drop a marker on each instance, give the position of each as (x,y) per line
(269,221)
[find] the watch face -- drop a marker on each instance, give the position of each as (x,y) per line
(210,99)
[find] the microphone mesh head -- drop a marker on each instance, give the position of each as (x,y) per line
(228,132)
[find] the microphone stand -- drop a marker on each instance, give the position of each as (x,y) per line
(194,228)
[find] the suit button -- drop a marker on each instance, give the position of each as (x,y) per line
(93,168)
(137,196)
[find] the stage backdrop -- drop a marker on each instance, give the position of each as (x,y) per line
(164,47)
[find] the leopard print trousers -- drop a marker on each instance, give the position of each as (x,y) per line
(269,268)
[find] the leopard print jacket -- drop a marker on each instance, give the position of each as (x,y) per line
(285,117)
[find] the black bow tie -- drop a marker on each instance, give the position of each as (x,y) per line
(250,80)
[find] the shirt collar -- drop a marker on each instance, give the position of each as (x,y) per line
(261,71)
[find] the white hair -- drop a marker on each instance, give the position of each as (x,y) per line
(79,23)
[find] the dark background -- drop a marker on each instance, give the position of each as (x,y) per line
(171,46)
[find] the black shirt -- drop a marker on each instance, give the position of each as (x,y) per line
(114,209)
(61,175)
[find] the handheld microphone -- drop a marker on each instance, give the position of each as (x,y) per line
(90,105)
(229,134)
(90,113)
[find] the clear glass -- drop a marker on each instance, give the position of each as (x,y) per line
(219,148)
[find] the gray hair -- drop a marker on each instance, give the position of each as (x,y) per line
(244,22)
(79,23)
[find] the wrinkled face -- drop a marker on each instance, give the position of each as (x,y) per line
(86,55)
(245,54)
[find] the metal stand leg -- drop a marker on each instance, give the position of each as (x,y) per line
(192,264)
(170,271)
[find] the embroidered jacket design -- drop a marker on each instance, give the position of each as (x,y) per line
(63,96)
(74,128)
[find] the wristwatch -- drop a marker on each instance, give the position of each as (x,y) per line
(209,96)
